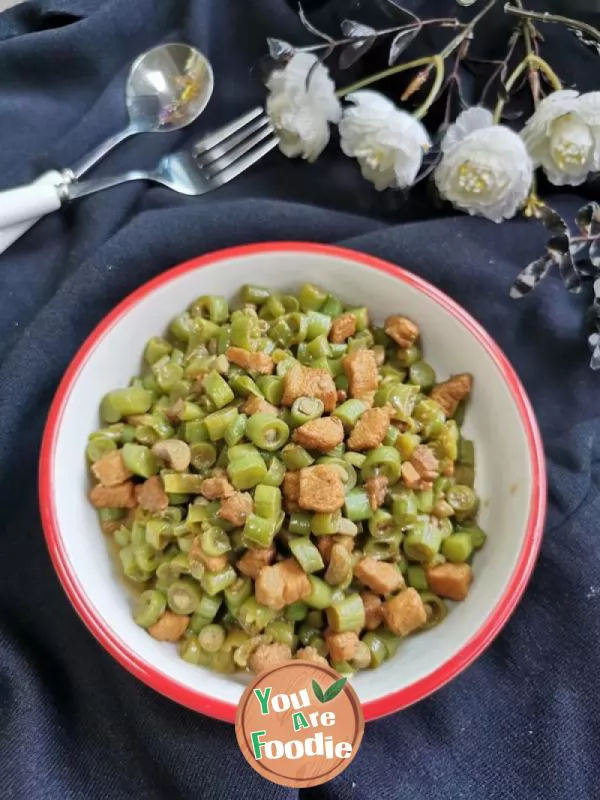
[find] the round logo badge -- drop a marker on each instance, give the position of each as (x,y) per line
(299,724)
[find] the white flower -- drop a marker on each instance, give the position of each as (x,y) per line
(485,168)
(387,142)
(301,109)
(563,136)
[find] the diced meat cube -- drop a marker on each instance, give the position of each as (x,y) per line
(300,381)
(236,508)
(325,544)
(450,580)
(254,560)
(281,584)
(216,488)
(121,496)
(320,434)
(372,604)
(370,430)
(379,576)
(321,488)
(212,563)
(269,655)
(410,476)
(424,461)
(170,627)
(110,470)
(360,368)
(341,395)
(253,362)
(291,490)
(405,612)
(376,488)
(451,392)
(342,646)
(342,328)
(254,405)
(311,654)
(151,495)
(402,330)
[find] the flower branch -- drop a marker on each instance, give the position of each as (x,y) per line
(480,165)
(529,61)
(545,16)
(442,22)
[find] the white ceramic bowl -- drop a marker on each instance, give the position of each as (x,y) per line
(510,467)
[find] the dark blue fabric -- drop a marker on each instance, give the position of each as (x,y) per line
(523,722)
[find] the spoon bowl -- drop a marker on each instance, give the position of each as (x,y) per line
(168,87)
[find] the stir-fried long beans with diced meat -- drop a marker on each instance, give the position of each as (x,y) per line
(287,480)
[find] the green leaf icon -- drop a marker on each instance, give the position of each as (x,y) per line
(330,693)
(334,689)
(318,692)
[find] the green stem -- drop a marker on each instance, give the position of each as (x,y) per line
(386,73)
(530,60)
(534,78)
(432,62)
(438,64)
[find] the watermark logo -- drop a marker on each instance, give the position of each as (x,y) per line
(299,724)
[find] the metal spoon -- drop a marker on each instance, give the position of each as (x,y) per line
(168,87)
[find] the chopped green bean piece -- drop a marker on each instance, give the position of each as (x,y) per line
(320,595)
(275,472)
(214,582)
(211,638)
(237,593)
(377,648)
(247,471)
(422,542)
(347,615)
(149,607)
(466,452)
(463,500)
(357,505)
(254,617)
(183,596)
(217,389)
(98,447)
(218,422)
(306,554)
(267,431)
(349,412)
(267,501)
(296,612)
(436,609)
(457,547)
(416,578)
(282,632)
(124,403)
(182,483)
(311,297)
(139,460)
(296,457)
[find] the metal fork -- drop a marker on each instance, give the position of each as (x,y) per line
(212,162)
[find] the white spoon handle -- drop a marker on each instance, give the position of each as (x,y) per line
(29,202)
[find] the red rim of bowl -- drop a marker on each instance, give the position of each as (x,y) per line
(205,704)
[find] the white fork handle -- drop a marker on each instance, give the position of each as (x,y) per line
(20,208)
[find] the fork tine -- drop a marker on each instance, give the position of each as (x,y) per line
(231,156)
(209,157)
(243,163)
(216,137)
